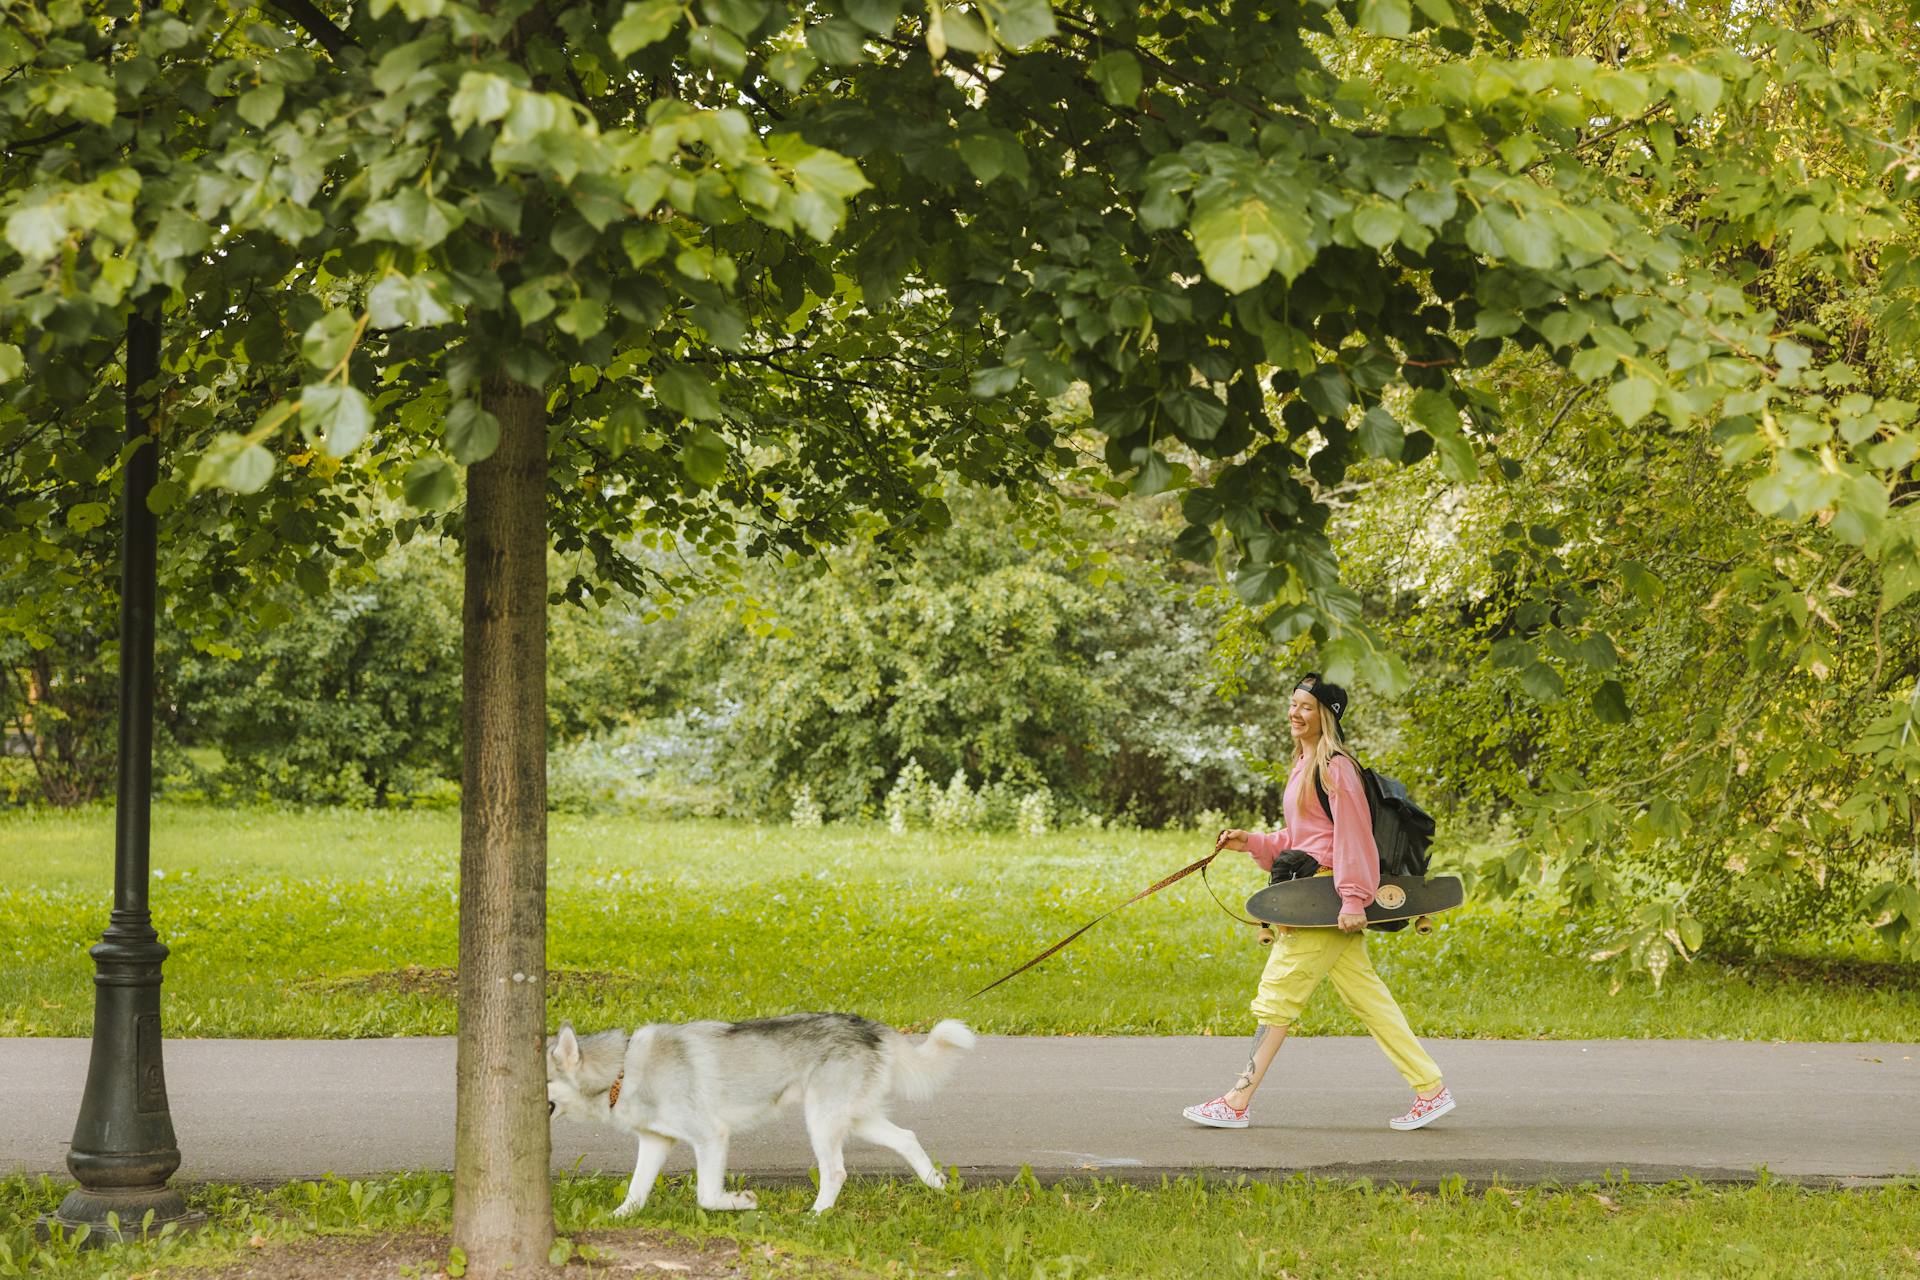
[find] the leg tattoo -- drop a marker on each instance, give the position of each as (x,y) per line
(1266,1043)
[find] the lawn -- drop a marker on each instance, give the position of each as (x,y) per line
(1080,1230)
(343,923)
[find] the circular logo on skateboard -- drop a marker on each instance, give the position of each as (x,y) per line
(1391,896)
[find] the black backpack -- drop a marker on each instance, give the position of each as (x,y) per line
(1402,829)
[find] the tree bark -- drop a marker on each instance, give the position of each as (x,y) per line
(502,1199)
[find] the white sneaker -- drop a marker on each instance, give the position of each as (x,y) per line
(1425,1111)
(1217,1115)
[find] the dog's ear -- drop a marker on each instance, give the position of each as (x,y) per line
(566,1049)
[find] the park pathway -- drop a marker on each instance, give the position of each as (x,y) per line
(1531,1111)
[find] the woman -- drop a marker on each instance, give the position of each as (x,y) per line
(1341,843)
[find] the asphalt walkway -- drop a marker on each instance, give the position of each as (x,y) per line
(1530,1111)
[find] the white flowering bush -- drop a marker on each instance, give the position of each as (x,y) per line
(1210,820)
(1034,817)
(959,807)
(910,799)
(805,812)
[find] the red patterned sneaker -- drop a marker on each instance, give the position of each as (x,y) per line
(1217,1114)
(1425,1110)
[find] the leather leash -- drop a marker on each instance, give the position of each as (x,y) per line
(1149,891)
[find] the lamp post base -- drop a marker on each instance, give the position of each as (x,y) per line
(119,1215)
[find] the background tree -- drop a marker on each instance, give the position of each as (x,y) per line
(589,253)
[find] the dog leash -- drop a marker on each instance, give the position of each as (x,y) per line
(1149,891)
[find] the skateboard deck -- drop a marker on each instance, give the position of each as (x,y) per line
(1312,903)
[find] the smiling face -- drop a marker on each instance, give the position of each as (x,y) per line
(1303,718)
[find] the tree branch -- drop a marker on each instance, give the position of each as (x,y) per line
(318,25)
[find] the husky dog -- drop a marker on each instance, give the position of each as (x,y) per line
(698,1082)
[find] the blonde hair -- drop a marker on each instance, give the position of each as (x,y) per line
(1328,745)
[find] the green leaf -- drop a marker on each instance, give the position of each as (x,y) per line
(1386,17)
(481,99)
(411,218)
(1436,412)
(1118,76)
(1631,398)
(573,238)
(704,456)
(311,575)
(717,49)
(338,417)
(250,470)
(1609,703)
(87,515)
(1597,651)
(741,16)
(837,42)
(1381,435)
(1590,364)
(643,24)
(472,433)
(1378,225)
(1327,392)
(37,231)
(164,497)
(877,16)
(1457,459)
(687,391)
(1432,208)
(231,463)
(1542,682)
(533,300)
(258,107)
(12,363)
(327,340)
(1019,23)
(1242,241)
(583,317)
(955,28)
(80,91)
(791,67)
(179,235)
(407,301)
(430,484)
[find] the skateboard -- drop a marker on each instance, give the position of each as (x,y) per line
(1311,902)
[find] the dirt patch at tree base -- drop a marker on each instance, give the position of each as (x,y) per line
(423,1256)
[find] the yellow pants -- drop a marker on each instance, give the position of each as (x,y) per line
(1302,957)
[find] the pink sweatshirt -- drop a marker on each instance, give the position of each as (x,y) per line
(1346,845)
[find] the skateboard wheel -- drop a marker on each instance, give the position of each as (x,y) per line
(1423,925)
(1391,896)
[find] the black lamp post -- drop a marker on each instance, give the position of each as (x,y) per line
(123,1145)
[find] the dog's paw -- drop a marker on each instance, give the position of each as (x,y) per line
(628,1208)
(936,1179)
(737,1200)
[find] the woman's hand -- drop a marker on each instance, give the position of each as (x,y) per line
(1232,838)
(1352,921)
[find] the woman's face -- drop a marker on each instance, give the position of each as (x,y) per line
(1303,718)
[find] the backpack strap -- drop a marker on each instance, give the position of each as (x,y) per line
(1319,788)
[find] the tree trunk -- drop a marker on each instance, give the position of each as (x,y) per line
(502,1200)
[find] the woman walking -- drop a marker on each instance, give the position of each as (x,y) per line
(1314,841)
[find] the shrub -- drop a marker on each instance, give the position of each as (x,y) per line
(805,814)
(660,768)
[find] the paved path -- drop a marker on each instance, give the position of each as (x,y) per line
(1530,1111)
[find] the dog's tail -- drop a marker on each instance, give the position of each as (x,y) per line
(919,1069)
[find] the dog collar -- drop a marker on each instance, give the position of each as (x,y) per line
(613,1094)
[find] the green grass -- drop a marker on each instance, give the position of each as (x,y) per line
(1085,1229)
(288,924)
